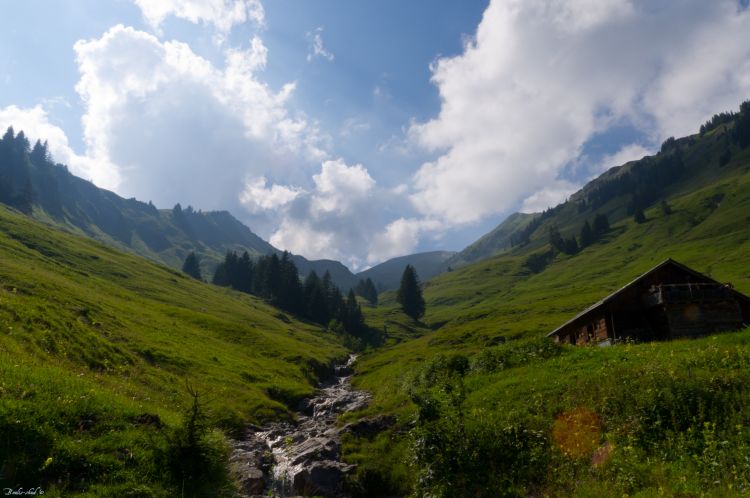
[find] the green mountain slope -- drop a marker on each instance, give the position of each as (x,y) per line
(96,349)
(494,242)
(484,385)
(31,182)
(387,275)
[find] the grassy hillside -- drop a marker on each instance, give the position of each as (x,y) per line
(495,242)
(649,419)
(96,349)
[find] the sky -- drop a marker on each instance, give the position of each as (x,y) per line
(361,131)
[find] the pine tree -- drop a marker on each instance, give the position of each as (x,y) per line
(39,153)
(556,240)
(571,246)
(366,289)
(587,235)
(192,266)
(242,275)
(601,224)
(316,302)
(410,294)
(352,319)
(371,293)
(290,289)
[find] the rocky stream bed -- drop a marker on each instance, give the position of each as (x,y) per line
(303,458)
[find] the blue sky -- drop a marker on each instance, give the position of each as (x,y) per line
(365,130)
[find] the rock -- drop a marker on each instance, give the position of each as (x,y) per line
(315,449)
(252,481)
(302,457)
(321,478)
(369,427)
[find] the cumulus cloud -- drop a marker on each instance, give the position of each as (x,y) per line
(542,77)
(335,218)
(340,217)
(223,14)
(400,237)
(166,116)
(315,39)
(35,124)
(257,197)
(627,153)
(549,196)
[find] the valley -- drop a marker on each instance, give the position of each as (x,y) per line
(122,376)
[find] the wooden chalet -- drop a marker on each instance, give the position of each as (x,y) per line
(669,301)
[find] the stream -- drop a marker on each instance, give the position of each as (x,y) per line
(301,458)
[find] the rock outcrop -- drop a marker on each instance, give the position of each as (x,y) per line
(303,458)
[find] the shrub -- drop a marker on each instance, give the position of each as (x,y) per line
(460,454)
(197,456)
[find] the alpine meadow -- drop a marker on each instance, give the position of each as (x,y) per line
(430,250)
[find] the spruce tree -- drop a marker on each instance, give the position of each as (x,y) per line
(587,235)
(371,293)
(354,322)
(316,305)
(601,224)
(192,266)
(410,294)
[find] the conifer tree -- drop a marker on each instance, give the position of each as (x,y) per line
(352,318)
(316,301)
(556,240)
(371,293)
(366,289)
(410,294)
(587,235)
(601,224)
(571,246)
(192,266)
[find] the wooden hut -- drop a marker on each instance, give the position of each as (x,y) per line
(669,301)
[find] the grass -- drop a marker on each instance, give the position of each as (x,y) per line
(472,310)
(96,349)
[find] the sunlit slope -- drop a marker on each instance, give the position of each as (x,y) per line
(494,312)
(471,307)
(94,341)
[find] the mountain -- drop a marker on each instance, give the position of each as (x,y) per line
(681,165)
(494,389)
(32,183)
(100,350)
(387,275)
(495,242)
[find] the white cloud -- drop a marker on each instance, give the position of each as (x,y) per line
(315,39)
(542,77)
(335,219)
(400,237)
(223,14)
(257,197)
(626,154)
(549,196)
(338,187)
(35,124)
(166,116)
(354,126)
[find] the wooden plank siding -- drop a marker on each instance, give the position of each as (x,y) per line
(669,301)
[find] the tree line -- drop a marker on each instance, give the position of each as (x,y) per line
(590,233)
(16,160)
(277,280)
